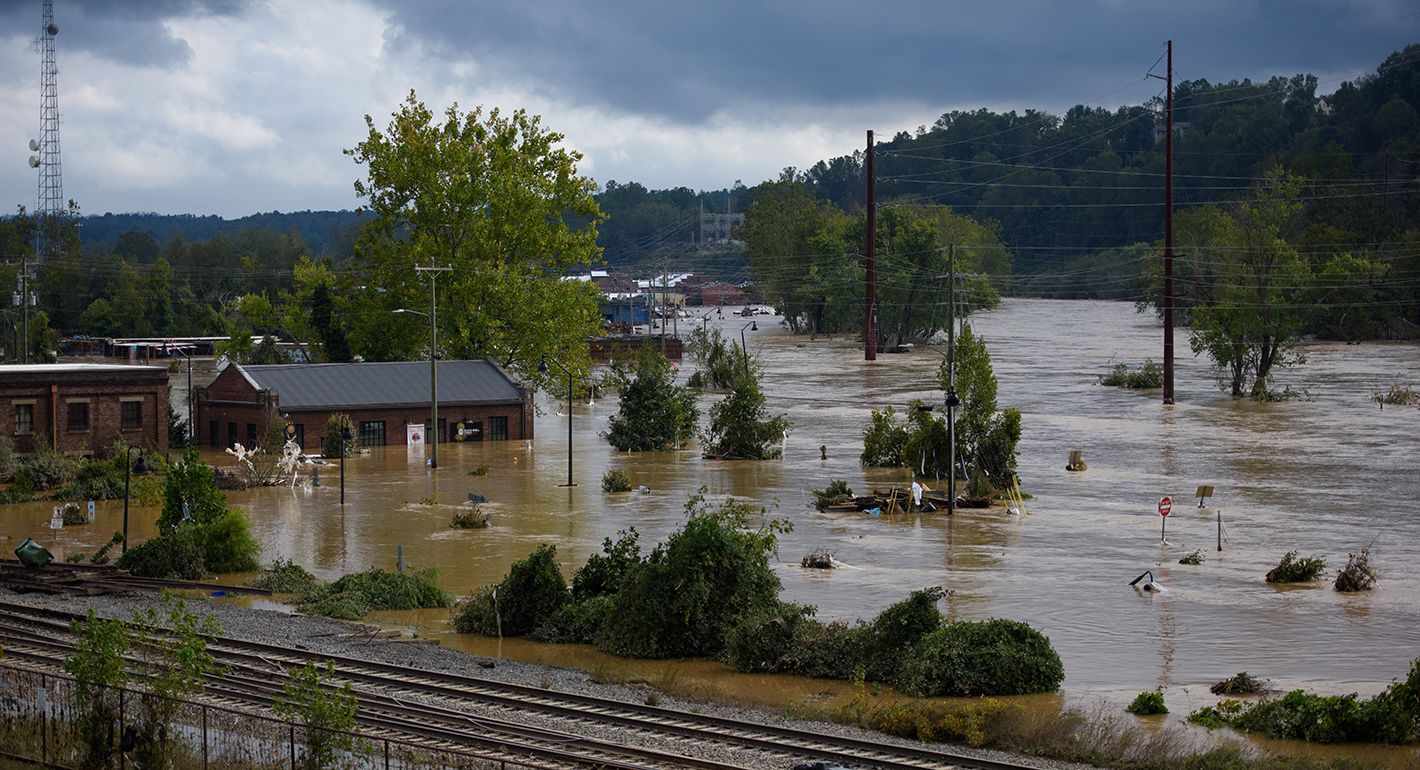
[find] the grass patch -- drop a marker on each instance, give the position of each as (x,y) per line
(358,594)
(1193,559)
(1147,703)
(1295,568)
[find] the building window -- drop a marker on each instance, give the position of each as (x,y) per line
(300,435)
(132,415)
(78,417)
(213,436)
(441,435)
(497,428)
(251,435)
(24,418)
(231,435)
(372,433)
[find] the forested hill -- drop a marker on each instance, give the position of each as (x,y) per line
(1062,187)
(1067,186)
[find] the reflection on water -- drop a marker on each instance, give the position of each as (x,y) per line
(1326,475)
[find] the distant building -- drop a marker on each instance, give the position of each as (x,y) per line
(718,293)
(85,407)
(478,401)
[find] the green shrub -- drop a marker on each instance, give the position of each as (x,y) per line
(327,715)
(8,465)
(532,592)
(477,613)
(193,484)
(836,492)
(1147,703)
(1296,569)
(762,642)
(46,468)
(603,572)
(355,595)
(73,516)
(883,440)
(283,577)
(1193,559)
(1241,683)
(227,543)
(996,455)
(992,657)
(176,554)
(719,568)
(575,621)
(834,650)
(330,441)
(1150,376)
(616,480)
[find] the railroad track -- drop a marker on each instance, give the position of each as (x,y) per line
(390,689)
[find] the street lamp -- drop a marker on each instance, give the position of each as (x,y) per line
(542,369)
(744,348)
(433,433)
(705,322)
(952,402)
(345,438)
(140,468)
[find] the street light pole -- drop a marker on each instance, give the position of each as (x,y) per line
(129,469)
(542,368)
(345,438)
(433,273)
(744,346)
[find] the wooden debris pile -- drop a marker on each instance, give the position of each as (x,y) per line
(899,500)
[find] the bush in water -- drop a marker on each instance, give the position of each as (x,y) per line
(990,657)
(532,591)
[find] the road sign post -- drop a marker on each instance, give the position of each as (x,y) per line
(1165,506)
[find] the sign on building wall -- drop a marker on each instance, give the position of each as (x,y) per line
(414,433)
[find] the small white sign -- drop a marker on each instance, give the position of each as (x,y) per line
(57,520)
(91,511)
(414,433)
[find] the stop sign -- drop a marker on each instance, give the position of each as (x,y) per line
(1165,505)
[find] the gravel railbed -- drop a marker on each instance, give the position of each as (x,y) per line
(322,635)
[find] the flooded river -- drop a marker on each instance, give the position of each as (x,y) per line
(1326,475)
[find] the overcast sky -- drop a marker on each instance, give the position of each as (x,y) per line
(232,107)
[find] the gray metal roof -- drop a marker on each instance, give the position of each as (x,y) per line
(387,384)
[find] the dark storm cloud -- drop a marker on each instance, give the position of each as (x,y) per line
(123,31)
(684,62)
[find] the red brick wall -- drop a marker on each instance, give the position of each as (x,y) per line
(52,392)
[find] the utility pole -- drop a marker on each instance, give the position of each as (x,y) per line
(870,298)
(25,301)
(1168,227)
(433,273)
(952,399)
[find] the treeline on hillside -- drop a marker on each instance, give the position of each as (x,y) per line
(328,233)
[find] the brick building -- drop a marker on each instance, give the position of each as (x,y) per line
(478,401)
(85,407)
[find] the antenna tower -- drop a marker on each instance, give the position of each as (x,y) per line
(50,206)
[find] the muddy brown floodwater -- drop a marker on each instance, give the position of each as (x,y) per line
(1325,475)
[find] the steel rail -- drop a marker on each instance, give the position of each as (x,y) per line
(776,739)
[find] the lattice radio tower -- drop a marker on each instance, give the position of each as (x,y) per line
(50,205)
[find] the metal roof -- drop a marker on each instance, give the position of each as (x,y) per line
(387,384)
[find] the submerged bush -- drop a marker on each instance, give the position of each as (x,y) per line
(991,657)
(470,518)
(616,480)
(1148,377)
(683,598)
(603,572)
(1393,716)
(836,492)
(1241,683)
(283,577)
(1147,703)
(883,440)
(356,595)
(575,621)
(176,555)
(1296,569)
(1358,574)
(532,592)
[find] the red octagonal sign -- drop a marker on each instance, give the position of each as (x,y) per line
(1165,505)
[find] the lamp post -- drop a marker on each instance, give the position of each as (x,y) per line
(129,468)
(542,369)
(952,402)
(744,347)
(433,379)
(705,322)
(345,438)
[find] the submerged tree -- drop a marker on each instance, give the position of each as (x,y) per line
(655,413)
(496,197)
(984,437)
(740,427)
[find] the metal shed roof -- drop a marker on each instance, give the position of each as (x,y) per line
(389,384)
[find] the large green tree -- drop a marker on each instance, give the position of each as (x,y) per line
(655,413)
(493,196)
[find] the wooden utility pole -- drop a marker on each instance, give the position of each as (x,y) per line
(433,434)
(1168,233)
(870,298)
